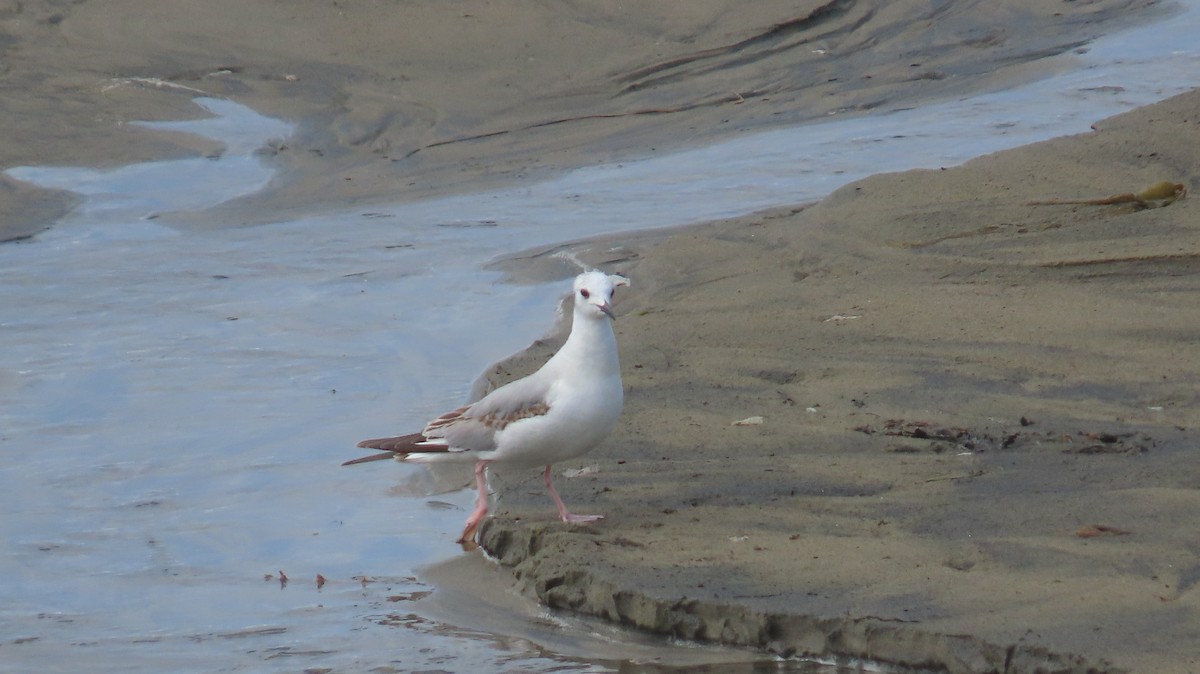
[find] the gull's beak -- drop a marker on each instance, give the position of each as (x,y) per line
(606,309)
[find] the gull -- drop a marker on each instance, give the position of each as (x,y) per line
(555,414)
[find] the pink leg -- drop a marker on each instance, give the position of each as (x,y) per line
(481,503)
(562,507)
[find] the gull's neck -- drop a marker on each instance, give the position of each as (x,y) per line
(591,345)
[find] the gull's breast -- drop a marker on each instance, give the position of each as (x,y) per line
(578,419)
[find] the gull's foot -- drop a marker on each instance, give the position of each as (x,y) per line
(467,540)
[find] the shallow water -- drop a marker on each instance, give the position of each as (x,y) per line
(174,408)
(173,405)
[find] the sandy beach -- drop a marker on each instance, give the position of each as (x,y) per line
(941,418)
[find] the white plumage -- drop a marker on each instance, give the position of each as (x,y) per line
(557,413)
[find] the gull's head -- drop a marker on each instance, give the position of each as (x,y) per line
(594,293)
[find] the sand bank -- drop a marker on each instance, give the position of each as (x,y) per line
(971,435)
(417,99)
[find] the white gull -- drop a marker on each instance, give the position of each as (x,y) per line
(555,414)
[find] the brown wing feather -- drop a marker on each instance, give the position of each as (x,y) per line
(401,444)
(459,427)
(397,446)
(373,457)
(447,419)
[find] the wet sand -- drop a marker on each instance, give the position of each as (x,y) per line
(976,447)
(413,100)
(971,435)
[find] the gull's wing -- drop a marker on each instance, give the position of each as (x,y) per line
(469,428)
(474,427)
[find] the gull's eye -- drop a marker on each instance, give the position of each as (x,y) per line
(583,292)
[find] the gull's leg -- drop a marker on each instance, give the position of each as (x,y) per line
(481,503)
(562,507)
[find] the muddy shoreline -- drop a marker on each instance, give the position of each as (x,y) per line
(970,441)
